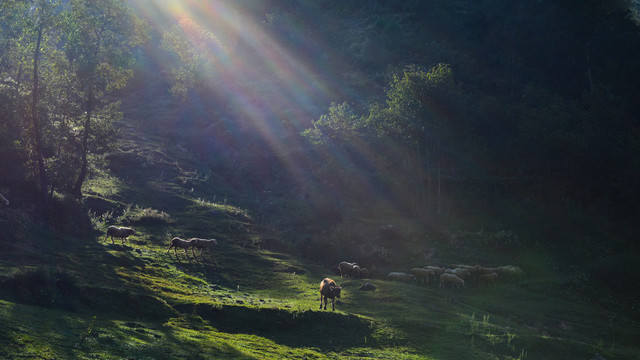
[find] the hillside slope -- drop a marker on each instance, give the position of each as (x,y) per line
(65,296)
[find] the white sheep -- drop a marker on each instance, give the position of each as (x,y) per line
(400,276)
(487,270)
(121,232)
(176,243)
(197,243)
(473,270)
(422,275)
(488,279)
(450,278)
(459,272)
(436,270)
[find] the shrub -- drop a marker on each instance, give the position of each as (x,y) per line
(146,216)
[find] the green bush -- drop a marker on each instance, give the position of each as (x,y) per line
(144,216)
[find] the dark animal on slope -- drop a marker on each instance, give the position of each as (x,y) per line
(360,273)
(120,232)
(368,287)
(176,243)
(329,290)
(346,268)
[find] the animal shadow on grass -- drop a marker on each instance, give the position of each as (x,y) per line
(179,258)
(206,260)
(119,247)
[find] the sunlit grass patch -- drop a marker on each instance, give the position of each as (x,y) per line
(103,184)
(213,344)
(390,353)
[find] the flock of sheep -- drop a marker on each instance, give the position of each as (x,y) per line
(453,275)
(194,243)
(460,275)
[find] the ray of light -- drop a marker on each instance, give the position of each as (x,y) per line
(260,84)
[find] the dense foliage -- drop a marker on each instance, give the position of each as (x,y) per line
(60,61)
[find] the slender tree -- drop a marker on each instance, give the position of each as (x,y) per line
(101,36)
(42,20)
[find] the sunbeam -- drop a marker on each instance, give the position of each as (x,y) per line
(260,88)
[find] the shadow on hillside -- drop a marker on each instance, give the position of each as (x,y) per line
(324,330)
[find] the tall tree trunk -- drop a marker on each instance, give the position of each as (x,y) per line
(77,187)
(35,125)
(439,190)
(419,168)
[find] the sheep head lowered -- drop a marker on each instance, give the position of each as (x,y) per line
(197,243)
(329,290)
(346,268)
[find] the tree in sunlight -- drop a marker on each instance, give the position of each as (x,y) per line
(100,39)
(196,48)
(340,126)
(416,115)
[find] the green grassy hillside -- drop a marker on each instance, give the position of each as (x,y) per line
(80,297)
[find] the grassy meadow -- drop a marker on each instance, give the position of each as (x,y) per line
(66,296)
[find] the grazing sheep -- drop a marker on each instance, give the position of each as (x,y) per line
(473,270)
(450,278)
(422,275)
(485,270)
(201,244)
(436,270)
(329,290)
(400,276)
(355,271)
(488,279)
(359,273)
(121,232)
(176,243)
(346,269)
(459,272)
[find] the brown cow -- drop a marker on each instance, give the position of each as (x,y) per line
(329,290)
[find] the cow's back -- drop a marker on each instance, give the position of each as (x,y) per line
(325,287)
